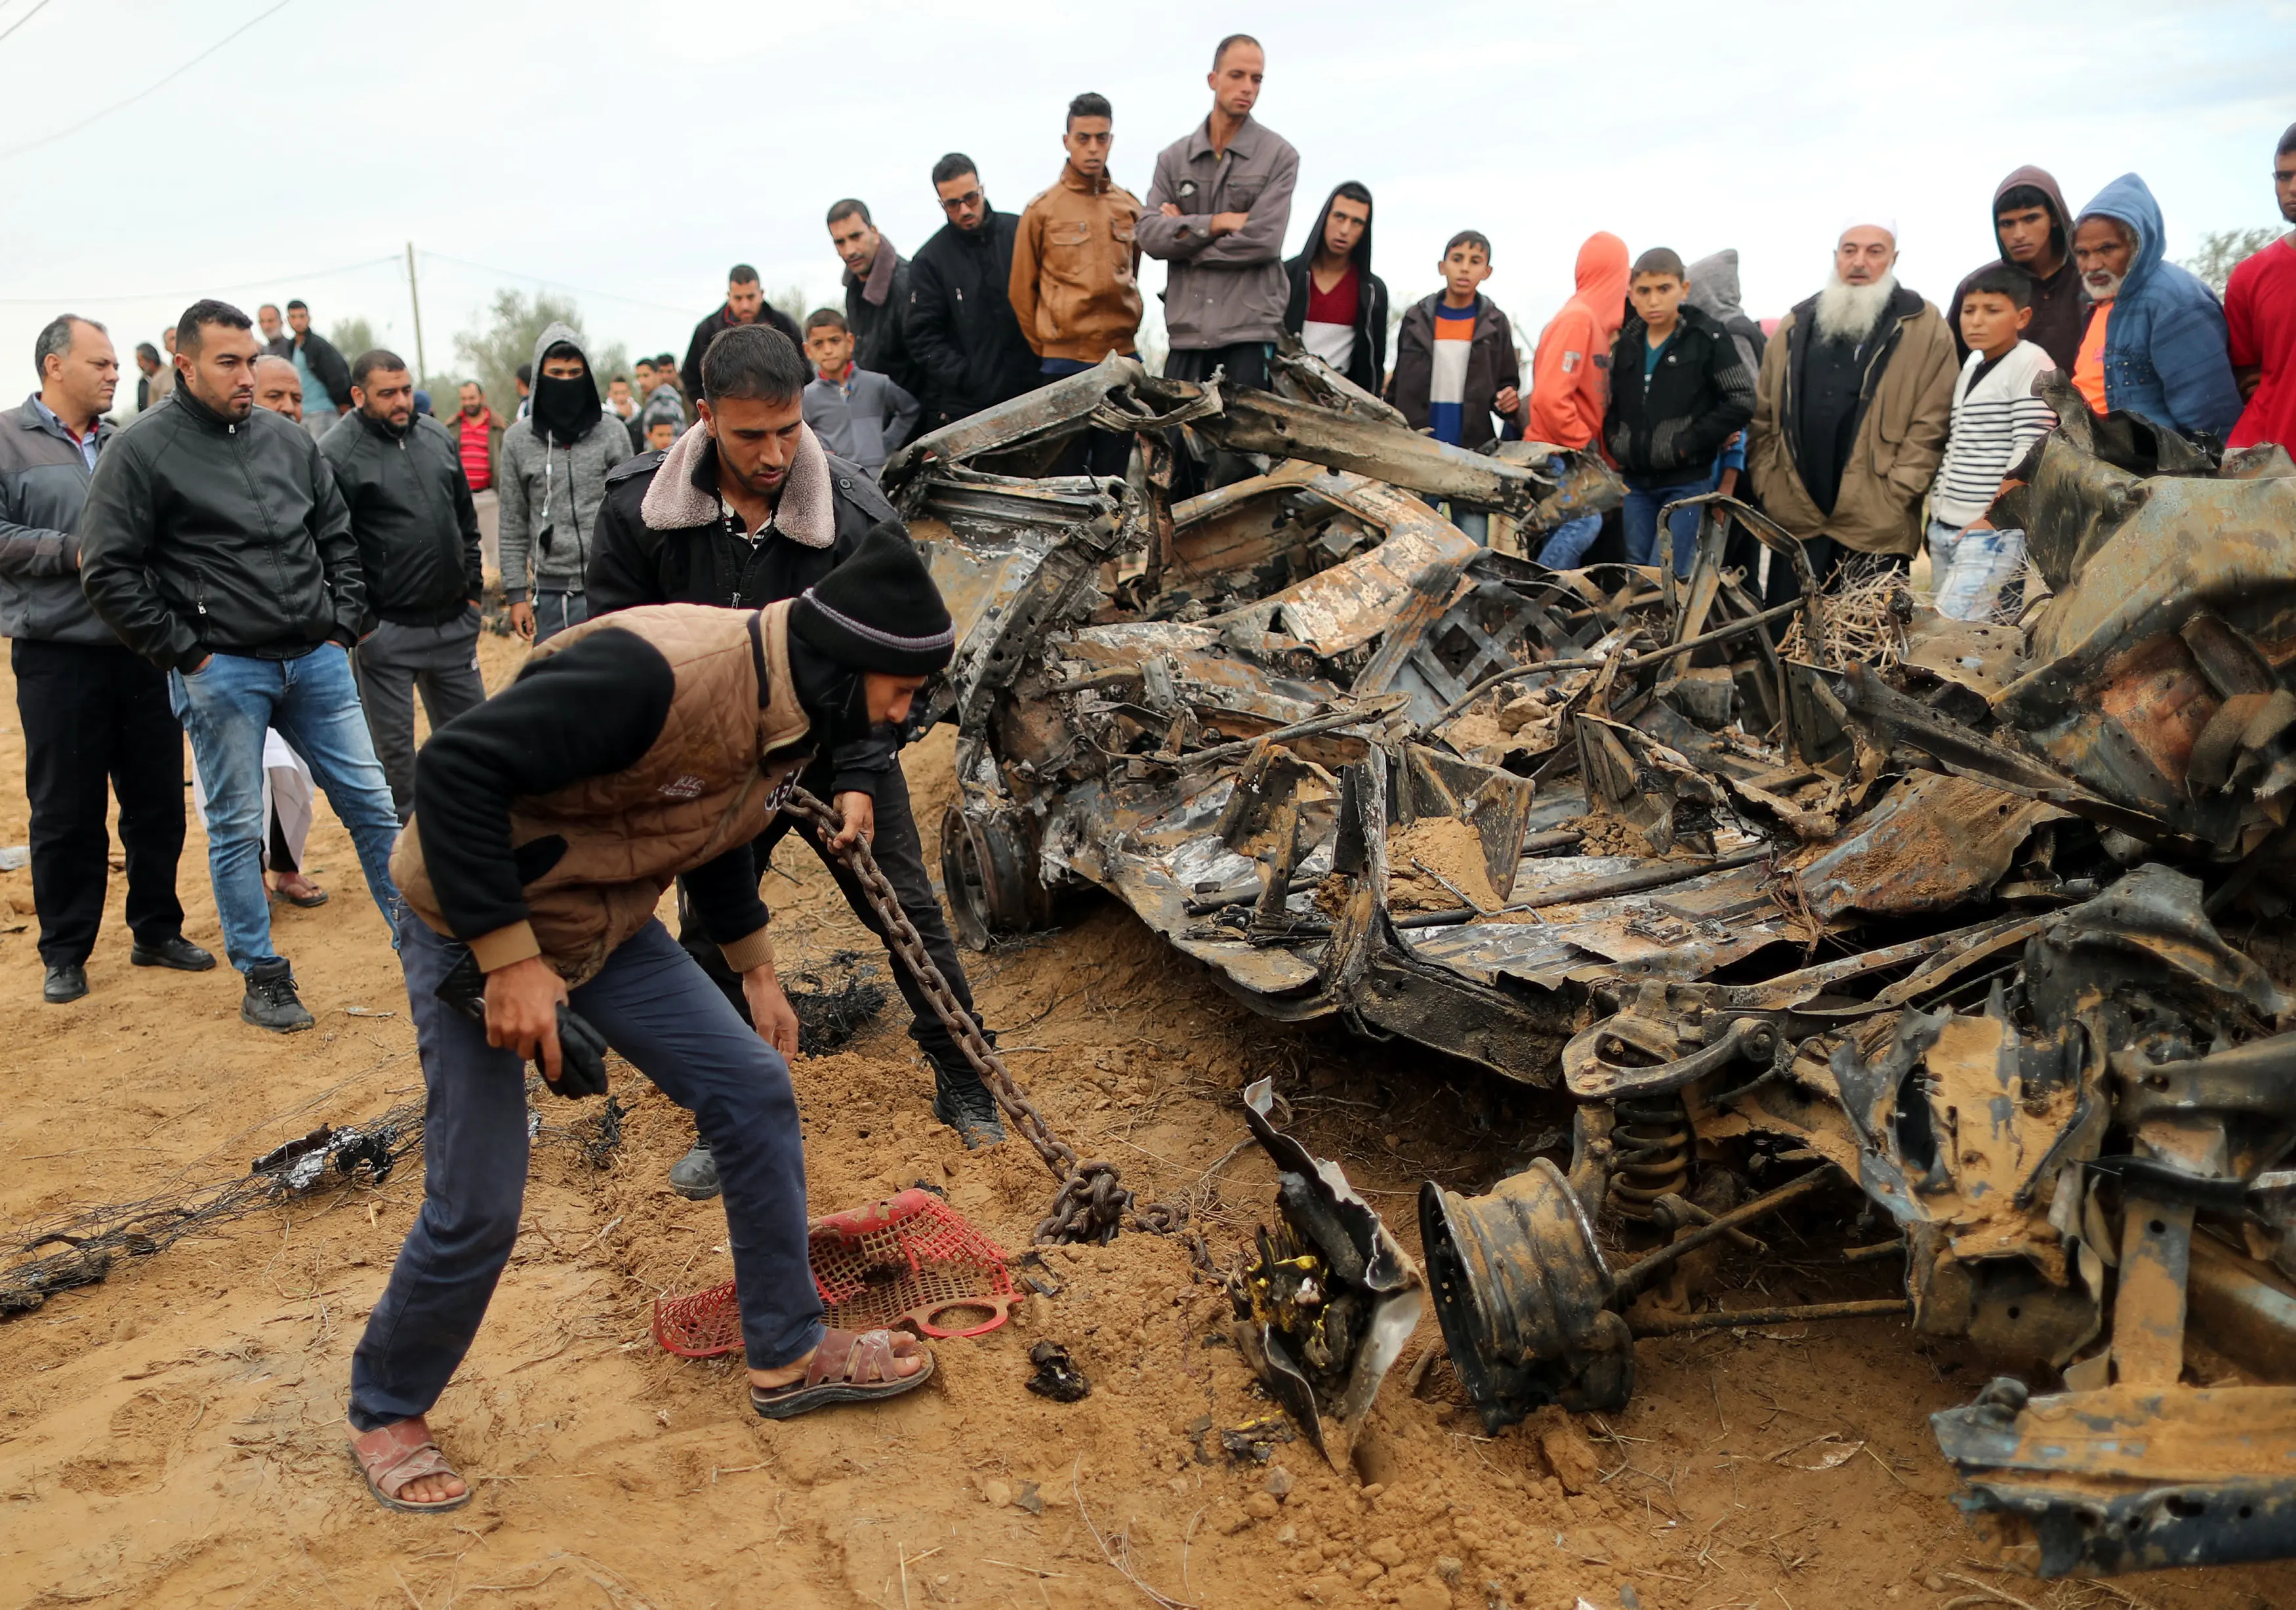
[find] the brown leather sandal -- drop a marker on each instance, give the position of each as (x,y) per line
(392,1457)
(848,1367)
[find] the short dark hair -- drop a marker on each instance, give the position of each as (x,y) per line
(667,360)
(524,374)
(2000,279)
(826,318)
(298,302)
(55,339)
(146,350)
(374,358)
(846,208)
(1660,259)
(755,362)
(1468,237)
(741,273)
(623,378)
(2287,142)
(207,310)
(954,165)
(642,363)
(1220,51)
(1088,105)
(2017,198)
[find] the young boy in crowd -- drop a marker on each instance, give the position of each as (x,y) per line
(1680,397)
(858,414)
(662,436)
(1996,420)
(1455,362)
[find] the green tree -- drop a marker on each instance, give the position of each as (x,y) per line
(353,336)
(492,353)
(2223,250)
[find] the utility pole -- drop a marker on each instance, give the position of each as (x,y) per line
(415,294)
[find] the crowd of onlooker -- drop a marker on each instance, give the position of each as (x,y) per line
(147,592)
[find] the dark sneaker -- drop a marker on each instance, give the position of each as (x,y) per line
(271,1000)
(66,981)
(694,1176)
(962,1102)
(178,953)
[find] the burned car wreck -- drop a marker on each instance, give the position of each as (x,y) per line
(1981,921)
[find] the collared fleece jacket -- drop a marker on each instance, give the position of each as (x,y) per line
(551,493)
(1904,408)
(1220,290)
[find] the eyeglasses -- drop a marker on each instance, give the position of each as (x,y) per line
(971,198)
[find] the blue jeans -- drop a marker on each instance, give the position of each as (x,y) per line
(1969,569)
(314,704)
(1639,516)
(553,613)
(659,1010)
(1567,544)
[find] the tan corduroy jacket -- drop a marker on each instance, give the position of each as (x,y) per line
(1899,443)
(710,781)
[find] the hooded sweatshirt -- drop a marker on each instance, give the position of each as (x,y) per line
(1569,374)
(2165,353)
(551,487)
(1367,364)
(1714,291)
(2059,308)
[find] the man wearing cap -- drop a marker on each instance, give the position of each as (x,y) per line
(748,509)
(1852,411)
(548,823)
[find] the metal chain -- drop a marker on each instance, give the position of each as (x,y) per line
(1092,1203)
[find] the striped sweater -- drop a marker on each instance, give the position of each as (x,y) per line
(1995,420)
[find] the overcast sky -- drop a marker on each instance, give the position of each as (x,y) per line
(628,152)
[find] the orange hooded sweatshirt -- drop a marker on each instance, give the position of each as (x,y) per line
(1570,375)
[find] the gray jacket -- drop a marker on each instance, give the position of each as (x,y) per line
(1220,292)
(868,427)
(547,488)
(43,488)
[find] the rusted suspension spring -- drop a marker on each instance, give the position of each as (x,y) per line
(1092,1203)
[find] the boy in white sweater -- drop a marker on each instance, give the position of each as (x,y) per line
(1995,418)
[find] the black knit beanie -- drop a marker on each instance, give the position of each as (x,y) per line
(879,610)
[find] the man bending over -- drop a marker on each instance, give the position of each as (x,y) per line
(653,744)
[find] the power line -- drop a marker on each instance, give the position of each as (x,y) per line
(65,134)
(166,296)
(634,301)
(26,16)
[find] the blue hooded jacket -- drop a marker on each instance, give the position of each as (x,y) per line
(2165,353)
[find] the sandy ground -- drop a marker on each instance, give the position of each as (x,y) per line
(175,1437)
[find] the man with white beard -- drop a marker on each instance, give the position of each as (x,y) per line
(1852,411)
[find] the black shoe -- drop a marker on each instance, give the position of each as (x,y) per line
(962,1102)
(178,953)
(66,981)
(694,1176)
(271,1000)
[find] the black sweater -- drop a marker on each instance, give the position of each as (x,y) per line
(586,711)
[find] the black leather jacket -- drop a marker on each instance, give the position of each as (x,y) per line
(204,535)
(411,515)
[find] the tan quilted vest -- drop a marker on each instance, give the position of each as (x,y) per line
(709,782)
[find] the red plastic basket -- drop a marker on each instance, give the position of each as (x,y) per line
(909,1260)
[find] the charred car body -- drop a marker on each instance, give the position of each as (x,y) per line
(1976,918)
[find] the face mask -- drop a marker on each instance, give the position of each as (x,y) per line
(566,408)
